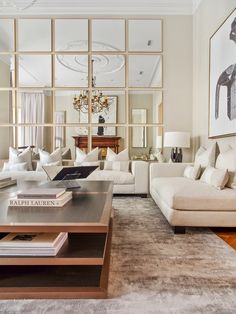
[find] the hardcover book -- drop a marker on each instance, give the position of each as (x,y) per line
(4,184)
(41,193)
(40,202)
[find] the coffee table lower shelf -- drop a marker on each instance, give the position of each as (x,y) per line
(65,276)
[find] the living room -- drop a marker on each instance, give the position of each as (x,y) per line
(139,97)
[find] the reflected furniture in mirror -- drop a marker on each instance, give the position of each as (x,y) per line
(102,142)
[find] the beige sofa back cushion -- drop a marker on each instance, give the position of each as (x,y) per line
(227,160)
(205,157)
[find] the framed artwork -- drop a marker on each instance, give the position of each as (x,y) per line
(222,89)
(105,116)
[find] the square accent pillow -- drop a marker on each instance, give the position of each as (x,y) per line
(192,172)
(81,156)
(17,157)
(227,160)
(121,156)
(205,157)
(22,166)
(215,177)
(49,159)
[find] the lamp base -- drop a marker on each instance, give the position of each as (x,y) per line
(176,154)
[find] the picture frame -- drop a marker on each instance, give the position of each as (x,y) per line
(222,80)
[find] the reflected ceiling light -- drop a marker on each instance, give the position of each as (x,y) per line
(99,102)
(16,4)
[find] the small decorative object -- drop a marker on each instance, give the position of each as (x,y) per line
(222,109)
(100,131)
(177,141)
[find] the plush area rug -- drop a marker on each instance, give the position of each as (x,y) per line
(155,271)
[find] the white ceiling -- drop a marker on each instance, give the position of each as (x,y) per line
(104,7)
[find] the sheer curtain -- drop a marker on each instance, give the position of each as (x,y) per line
(32,111)
(60,130)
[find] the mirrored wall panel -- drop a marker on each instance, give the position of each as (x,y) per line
(108,35)
(108,70)
(150,101)
(7,136)
(36,137)
(7,35)
(145,35)
(108,107)
(71,70)
(6,105)
(7,71)
(145,141)
(71,106)
(71,35)
(145,71)
(35,71)
(34,35)
(34,107)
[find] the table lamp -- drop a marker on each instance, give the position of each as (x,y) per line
(177,141)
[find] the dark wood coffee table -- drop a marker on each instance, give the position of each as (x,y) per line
(81,268)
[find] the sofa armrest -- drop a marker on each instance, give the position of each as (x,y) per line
(167,170)
(140,172)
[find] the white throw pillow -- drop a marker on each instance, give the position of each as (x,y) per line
(117,165)
(17,157)
(40,166)
(81,156)
(205,157)
(14,167)
(192,172)
(227,160)
(47,158)
(215,177)
(122,156)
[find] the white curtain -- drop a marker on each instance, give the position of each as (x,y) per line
(33,112)
(60,130)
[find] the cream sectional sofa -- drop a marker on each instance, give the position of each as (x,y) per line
(185,202)
(133,182)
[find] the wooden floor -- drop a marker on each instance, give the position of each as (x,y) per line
(227,234)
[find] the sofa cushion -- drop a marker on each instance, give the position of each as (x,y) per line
(184,194)
(118,177)
(227,160)
(25,175)
(16,156)
(215,177)
(205,157)
(81,156)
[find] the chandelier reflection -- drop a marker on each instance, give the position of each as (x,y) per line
(99,102)
(16,4)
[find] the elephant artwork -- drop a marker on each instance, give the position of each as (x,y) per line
(228,79)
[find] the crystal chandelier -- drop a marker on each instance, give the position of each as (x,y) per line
(16,4)
(99,102)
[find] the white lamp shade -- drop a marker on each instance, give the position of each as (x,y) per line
(177,139)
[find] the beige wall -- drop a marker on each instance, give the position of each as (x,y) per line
(178,73)
(208,17)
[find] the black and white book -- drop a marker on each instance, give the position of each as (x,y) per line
(41,202)
(32,244)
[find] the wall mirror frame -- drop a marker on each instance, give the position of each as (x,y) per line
(82,47)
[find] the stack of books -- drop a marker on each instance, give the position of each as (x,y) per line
(32,244)
(41,197)
(7,182)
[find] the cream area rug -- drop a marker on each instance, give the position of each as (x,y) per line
(155,271)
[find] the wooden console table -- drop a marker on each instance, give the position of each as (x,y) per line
(98,141)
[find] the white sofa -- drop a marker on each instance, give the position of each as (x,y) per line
(185,202)
(133,182)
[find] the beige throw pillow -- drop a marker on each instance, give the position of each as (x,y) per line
(117,165)
(17,157)
(192,172)
(121,156)
(227,160)
(81,156)
(205,157)
(215,177)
